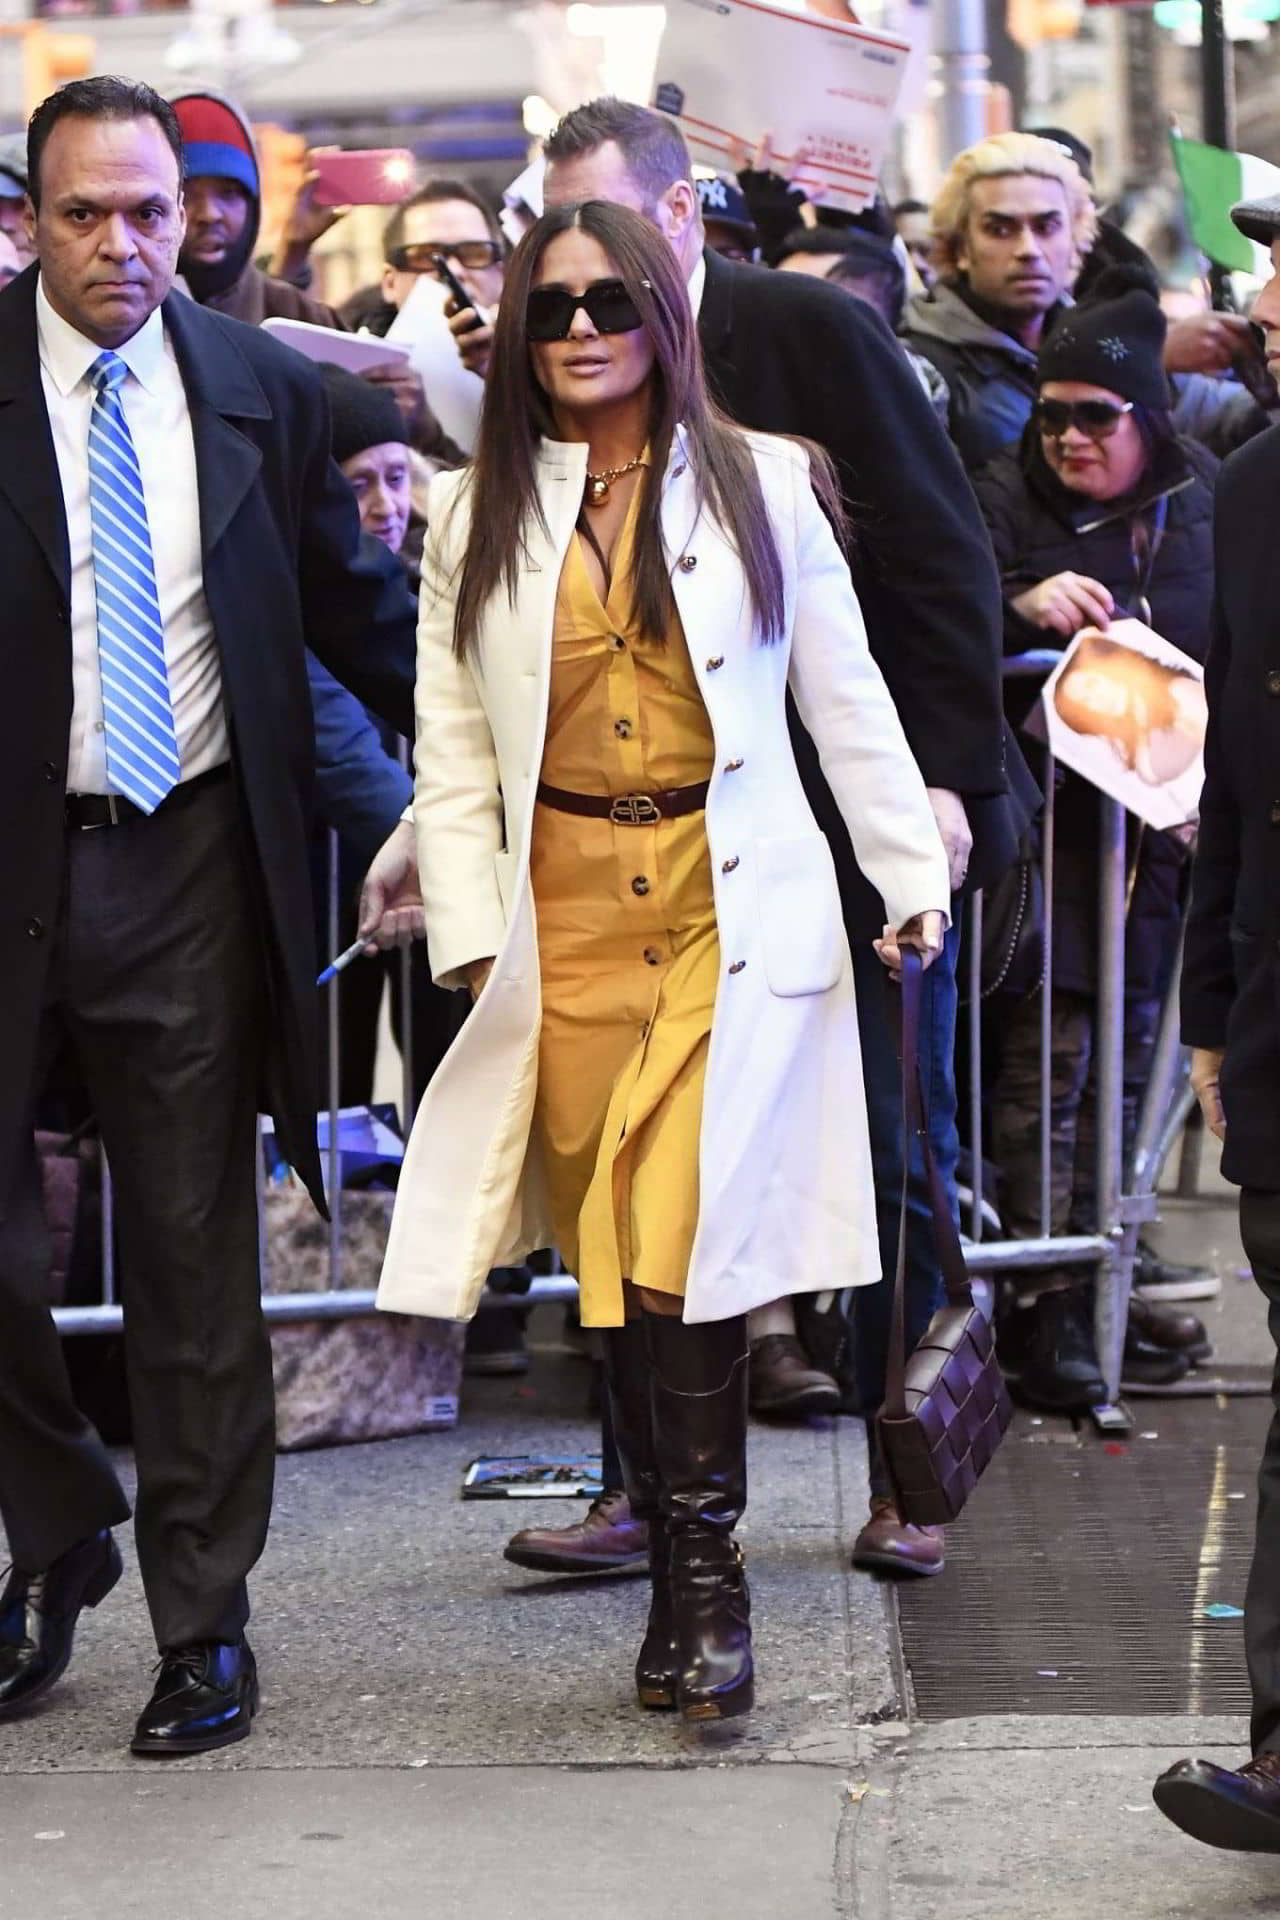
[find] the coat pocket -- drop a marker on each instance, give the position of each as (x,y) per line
(802,933)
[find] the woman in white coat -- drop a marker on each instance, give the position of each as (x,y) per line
(661,1073)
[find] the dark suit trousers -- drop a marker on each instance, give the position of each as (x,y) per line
(158,984)
(1260,1231)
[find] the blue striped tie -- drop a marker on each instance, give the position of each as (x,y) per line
(142,744)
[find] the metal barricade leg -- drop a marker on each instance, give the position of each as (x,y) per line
(1116,1271)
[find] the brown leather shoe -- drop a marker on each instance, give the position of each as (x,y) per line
(782,1385)
(1171,1328)
(888,1544)
(605,1540)
(1239,1811)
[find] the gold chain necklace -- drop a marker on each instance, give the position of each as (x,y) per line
(598,484)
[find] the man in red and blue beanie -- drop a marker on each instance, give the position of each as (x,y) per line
(224,212)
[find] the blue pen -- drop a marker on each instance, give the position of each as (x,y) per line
(335,967)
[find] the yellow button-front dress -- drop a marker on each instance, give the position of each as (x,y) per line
(627,945)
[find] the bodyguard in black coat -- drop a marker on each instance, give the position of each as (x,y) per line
(779,351)
(169,516)
(1231,1020)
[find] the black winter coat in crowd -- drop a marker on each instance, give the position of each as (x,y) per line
(788,354)
(1231,972)
(1040,528)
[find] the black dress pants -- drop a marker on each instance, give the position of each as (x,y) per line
(157,982)
(1260,1231)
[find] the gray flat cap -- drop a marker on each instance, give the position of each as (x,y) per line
(13,165)
(1258,219)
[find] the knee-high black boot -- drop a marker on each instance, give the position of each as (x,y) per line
(626,1372)
(698,1377)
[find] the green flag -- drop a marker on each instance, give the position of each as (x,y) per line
(1213,180)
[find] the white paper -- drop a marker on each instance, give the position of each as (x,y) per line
(1127,710)
(357,352)
(735,70)
(454,393)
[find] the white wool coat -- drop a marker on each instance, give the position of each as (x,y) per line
(786,1197)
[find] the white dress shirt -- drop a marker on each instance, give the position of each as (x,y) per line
(154,401)
(697,283)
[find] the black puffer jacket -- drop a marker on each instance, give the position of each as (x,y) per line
(1038,528)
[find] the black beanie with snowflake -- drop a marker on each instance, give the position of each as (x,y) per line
(1114,340)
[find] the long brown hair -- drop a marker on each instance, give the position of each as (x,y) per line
(502,486)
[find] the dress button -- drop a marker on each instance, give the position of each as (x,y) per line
(1273,681)
(623,729)
(731,766)
(49,771)
(640,884)
(688,561)
(729,865)
(652,958)
(737,966)
(715,663)
(35,929)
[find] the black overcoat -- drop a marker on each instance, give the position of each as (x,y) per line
(1231,972)
(786,353)
(285,566)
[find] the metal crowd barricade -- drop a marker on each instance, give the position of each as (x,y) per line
(1125,1195)
(339,1301)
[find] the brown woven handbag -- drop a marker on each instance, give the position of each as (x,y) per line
(946,1407)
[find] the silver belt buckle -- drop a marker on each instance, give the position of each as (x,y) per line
(634,810)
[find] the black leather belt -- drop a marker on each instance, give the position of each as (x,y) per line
(627,809)
(85,810)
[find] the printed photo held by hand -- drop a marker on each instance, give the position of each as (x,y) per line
(1128,712)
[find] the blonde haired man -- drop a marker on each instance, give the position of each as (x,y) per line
(1012,222)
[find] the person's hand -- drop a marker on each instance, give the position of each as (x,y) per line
(1205,342)
(404,384)
(391,912)
(1065,602)
(476,976)
(1206,1065)
(957,835)
(305,223)
(923,932)
(474,343)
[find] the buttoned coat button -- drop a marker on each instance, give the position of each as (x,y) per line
(617,642)
(688,561)
(730,864)
(737,966)
(640,884)
(35,928)
(1273,680)
(715,663)
(652,958)
(623,729)
(50,772)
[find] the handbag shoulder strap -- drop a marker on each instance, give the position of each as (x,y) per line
(915,1130)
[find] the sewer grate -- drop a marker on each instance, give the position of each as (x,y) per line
(1078,1577)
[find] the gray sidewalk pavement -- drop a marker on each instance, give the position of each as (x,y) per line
(444,1736)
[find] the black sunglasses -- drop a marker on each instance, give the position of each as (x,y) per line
(1096,418)
(421,257)
(609,307)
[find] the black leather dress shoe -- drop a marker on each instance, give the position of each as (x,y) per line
(206,1696)
(38,1614)
(1238,1811)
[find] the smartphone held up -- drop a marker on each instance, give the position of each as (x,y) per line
(374,177)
